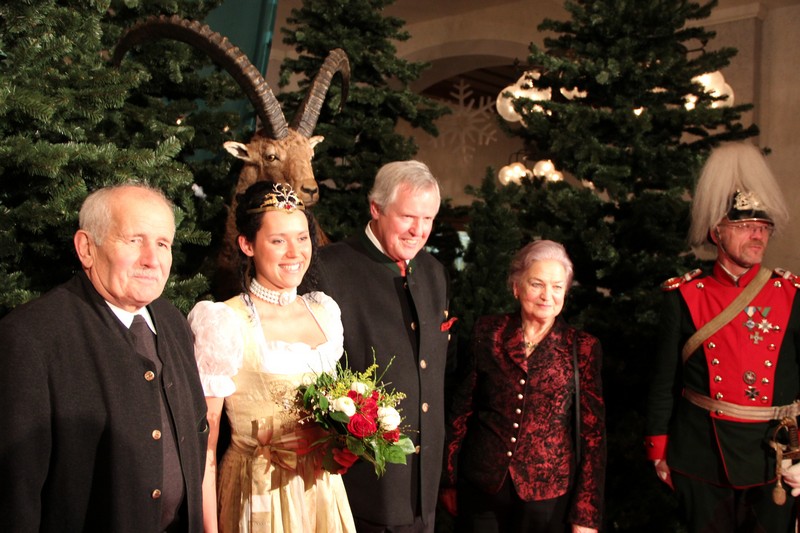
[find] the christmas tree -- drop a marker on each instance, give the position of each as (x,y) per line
(362,137)
(72,122)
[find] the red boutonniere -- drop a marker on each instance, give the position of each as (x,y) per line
(448,324)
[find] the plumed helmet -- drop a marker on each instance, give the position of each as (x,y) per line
(736,184)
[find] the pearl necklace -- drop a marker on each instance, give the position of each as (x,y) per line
(270,296)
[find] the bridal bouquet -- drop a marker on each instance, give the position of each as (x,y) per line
(362,417)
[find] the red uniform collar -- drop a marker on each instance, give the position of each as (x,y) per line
(725,279)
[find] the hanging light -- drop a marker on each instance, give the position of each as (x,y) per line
(523,88)
(714,84)
(570,94)
(513,173)
(505,106)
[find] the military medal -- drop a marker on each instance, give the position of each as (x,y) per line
(754,327)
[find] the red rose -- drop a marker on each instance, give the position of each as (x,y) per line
(344,457)
(376,395)
(361,426)
(369,408)
(392,436)
(353,395)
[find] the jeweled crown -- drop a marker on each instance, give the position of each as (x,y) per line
(282,198)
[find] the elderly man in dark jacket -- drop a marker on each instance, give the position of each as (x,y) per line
(394,301)
(104,426)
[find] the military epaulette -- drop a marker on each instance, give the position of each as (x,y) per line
(677,281)
(785,274)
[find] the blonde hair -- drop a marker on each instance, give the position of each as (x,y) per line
(730,167)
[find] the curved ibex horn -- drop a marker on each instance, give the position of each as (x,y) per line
(220,50)
(306,118)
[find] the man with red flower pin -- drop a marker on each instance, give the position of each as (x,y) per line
(394,301)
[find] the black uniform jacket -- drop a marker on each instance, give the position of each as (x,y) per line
(78,446)
(751,361)
(404,319)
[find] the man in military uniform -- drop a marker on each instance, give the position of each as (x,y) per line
(726,369)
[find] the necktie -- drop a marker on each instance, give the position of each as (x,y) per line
(402,266)
(145,340)
(172,480)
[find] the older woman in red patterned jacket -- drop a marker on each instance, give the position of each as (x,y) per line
(512,448)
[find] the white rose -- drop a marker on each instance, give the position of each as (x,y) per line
(344,405)
(388,418)
(359,387)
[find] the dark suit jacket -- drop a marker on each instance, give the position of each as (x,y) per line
(77,451)
(380,314)
(513,416)
(730,365)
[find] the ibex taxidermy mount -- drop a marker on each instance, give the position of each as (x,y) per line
(277,151)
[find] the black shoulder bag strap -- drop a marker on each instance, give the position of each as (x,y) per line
(576,373)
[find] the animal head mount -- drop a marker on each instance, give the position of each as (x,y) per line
(277,151)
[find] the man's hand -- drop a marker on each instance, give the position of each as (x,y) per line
(791,475)
(662,470)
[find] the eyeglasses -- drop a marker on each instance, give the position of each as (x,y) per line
(750,227)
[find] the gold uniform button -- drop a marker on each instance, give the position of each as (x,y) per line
(156,494)
(425,407)
(156,434)
(715,361)
(423,364)
(149,375)
(768,364)
(509,453)
(417,449)
(719,396)
(712,345)
(414,326)
(717,379)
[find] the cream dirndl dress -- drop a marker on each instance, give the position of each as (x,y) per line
(269,481)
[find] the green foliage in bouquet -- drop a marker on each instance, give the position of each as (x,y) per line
(361,415)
